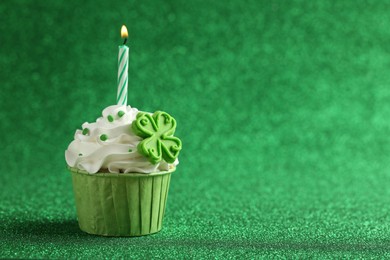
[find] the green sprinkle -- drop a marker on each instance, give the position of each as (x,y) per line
(110,118)
(103,137)
(80,154)
(85,131)
(121,113)
(130,150)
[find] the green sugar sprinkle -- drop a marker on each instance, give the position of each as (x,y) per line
(103,137)
(110,118)
(80,154)
(130,150)
(121,113)
(85,131)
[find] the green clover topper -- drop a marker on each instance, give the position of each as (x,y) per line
(157,131)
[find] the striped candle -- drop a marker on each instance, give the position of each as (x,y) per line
(123,64)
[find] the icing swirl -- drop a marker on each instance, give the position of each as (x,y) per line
(110,145)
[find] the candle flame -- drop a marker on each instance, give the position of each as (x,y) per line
(124,33)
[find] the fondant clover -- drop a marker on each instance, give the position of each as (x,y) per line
(157,131)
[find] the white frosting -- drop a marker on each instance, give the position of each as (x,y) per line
(91,154)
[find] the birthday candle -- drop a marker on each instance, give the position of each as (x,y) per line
(123,64)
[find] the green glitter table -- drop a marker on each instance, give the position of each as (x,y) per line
(283,108)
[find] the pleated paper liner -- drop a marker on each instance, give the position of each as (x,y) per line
(126,204)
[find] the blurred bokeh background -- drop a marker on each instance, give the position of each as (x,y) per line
(282,106)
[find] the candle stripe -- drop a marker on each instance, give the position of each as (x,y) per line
(123,61)
(121,57)
(125,98)
(120,76)
(124,94)
(122,86)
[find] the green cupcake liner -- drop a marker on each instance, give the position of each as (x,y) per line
(126,204)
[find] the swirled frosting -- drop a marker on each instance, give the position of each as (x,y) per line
(110,145)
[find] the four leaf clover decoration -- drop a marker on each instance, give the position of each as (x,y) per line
(157,131)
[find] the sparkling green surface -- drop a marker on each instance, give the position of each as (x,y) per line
(283,108)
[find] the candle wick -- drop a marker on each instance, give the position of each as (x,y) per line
(124,42)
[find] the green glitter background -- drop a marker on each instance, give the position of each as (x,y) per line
(283,108)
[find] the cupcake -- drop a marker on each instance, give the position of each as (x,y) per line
(121,167)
